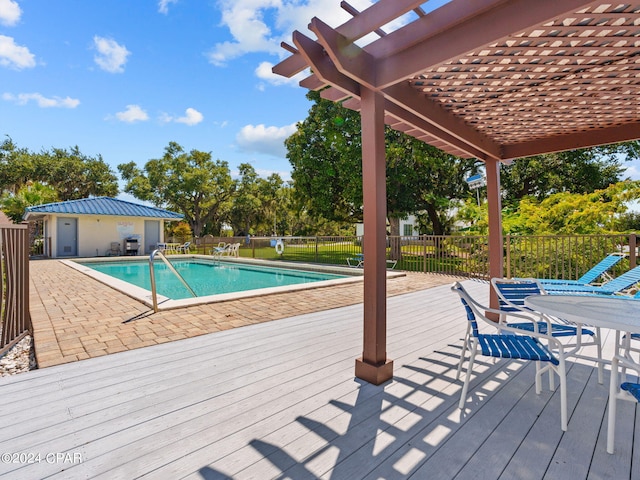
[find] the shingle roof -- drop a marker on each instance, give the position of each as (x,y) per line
(102,206)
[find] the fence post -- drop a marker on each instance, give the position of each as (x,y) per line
(316,249)
(508,248)
(632,250)
(424,251)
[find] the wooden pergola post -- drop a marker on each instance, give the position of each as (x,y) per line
(491,79)
(373,366)
(494,205)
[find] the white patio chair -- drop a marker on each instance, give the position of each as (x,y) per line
(184,248)
(219,250)
(620,391)
(511,343)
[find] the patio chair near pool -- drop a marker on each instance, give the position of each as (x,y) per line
(114,249)
(358,262)
(511,343)
(598,270)
(234,250)
(616,286)
(511,294)
(220,249)
(184,248)
(620,391)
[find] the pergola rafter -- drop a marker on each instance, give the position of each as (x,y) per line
(488,79)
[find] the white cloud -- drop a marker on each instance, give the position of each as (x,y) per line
(15,56)
(133,113)
(41,100)
(245,20)
(259,26)
(262,139)
(264,72)
(633,171)
(163,5)
(111,56)
(191,117)
(9,12)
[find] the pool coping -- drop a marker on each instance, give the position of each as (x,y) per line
(356,275)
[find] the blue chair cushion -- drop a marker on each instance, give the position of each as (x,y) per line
(632,388)
(515,346)
(557,330)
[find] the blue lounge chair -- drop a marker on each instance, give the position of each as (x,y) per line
(510,343)
(617,285)
(592,274)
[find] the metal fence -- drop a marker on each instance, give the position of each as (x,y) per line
(15,321)
(561,257)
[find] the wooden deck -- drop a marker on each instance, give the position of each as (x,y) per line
(279,400)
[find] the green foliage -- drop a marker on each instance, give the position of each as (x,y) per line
(575,171)
(247,202)
(182,232)
(326,156)
(70,173)
(190,183)
(600,212)
(33,193)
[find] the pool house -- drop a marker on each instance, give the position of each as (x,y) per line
(100,226)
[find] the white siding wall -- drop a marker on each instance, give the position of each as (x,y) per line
(96,232)
(411,220)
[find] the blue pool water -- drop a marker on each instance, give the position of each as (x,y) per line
(206,278)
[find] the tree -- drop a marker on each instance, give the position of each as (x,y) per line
(246,201)
(599,212)
(75,175)
(190,183)
(575,171)
(271,199)
(33,193)
(71,174)
(16,166)
(325,153)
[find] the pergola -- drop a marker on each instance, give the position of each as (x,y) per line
(488,79)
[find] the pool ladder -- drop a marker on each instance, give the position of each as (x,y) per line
(152,275)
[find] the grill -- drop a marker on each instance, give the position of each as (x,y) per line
(131,246)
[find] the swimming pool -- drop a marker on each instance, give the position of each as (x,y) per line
(211,280)
(206,278)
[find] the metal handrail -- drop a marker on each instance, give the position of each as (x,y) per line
(152,275)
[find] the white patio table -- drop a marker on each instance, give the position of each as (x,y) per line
(618,313)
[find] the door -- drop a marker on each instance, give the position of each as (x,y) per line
(67,237)
(151,235)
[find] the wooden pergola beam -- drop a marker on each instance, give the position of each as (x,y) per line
(457,37)
(353,62)
(591,138)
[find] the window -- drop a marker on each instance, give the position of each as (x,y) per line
(408,230)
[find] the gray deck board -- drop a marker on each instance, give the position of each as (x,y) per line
(279,400)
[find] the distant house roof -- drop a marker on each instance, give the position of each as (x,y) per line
(101,206)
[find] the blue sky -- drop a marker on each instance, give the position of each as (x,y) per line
(123,78)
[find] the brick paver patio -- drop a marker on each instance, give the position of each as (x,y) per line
(76,317)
